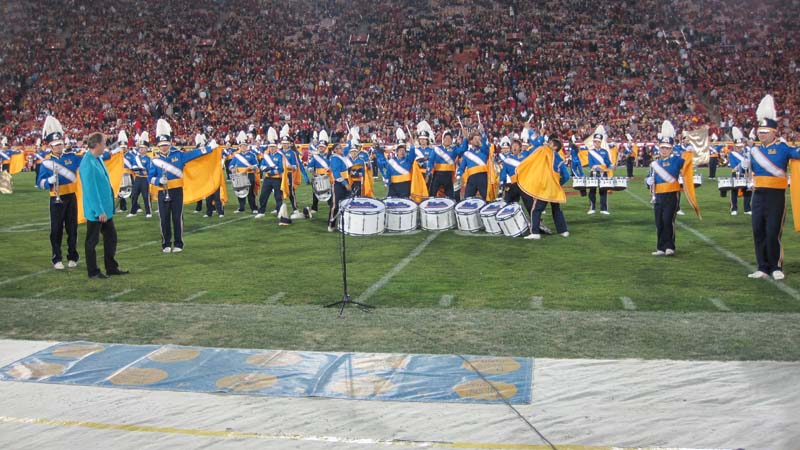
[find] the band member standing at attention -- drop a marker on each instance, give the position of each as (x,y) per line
(245,161)
(340,167)
(713,156)
(442,165)
(272,166)
(599,166)
(319,164)
(58,175)
(166,173)
(769,161)
(738,159)
(98,207)
(138,163)
(629,151)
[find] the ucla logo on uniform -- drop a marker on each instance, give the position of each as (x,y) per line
(666,164)
(175,159)
(68,162)
(773,152)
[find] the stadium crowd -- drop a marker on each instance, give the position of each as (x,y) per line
(224,65)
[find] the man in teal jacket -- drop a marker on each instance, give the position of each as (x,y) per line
(98,208)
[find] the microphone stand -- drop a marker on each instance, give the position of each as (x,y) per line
(346,294)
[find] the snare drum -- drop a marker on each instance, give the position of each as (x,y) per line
(606,183)
(740,183)
(322,187)
(401,214)
(512,220)
(620,183)
(579,183)
(437,214)
(241,184)
(362,216)
(468,214)
(488,218)
(724,184)
(126,186)
(592,182)
(698,180)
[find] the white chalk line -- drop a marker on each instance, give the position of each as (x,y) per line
(719,304)
(194,296)
(446,300)
(49,291)
(277,297)
(119,294)
(397,268)
(794,293)
(127,249)
(628,304)
(536,302)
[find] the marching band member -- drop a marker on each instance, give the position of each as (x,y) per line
(769,161)
(714,151)
(5,155)
(541,176)
(199,141)
(166,173)
(39,155)
(398,168)
(58,175)
(600,165)
(423,151)
(360,159)
(340,167)
(245,161)
(272,166)
(293,163)
(738,159)
(122,143)
(138,162)
(508,175)
(442,165)
(319,164)
(214,202)
(473,168)
(629,151)
(663,181)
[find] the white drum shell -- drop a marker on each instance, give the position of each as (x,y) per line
(437,214)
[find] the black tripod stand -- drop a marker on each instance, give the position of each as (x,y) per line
(346,295)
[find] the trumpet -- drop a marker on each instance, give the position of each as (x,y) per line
(56,185)
(164,184)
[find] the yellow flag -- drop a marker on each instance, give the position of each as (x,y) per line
(794,192)
(419,190)
(17,163)
(115,166)
(536,177)
(367,186)
(491,177)
(223,188)
(201,176)
(688,182)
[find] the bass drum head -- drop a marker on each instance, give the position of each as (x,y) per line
(362,216)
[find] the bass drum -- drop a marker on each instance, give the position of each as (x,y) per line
(512,220)
(362,216)
(468,214)
(436,214)
(402,215)
(489,219)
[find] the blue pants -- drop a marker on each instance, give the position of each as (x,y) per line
(769,212)
(171,213)
(268,186)
(536,216)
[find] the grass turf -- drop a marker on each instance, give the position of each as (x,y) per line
(258,276)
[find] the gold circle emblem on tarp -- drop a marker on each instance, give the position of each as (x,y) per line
(30,371)
(362,386)
(481,390)
(244,382)
(172,354)
(138,376)
(274,359)
(77,350)
(492,366)
(378,362)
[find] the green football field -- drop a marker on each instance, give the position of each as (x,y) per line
(245,282)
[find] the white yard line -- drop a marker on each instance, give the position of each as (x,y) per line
(628,304)
(49,291)
(119,294)
(276,298)
(536,302)
(794,293)
(719,304)
(25,277)
(396,269)
(446,300)
(194,296)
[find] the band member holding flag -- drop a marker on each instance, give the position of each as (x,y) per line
(541,175)
(6,155)
(402,171)
(769,161)
(167,174)
(663,181)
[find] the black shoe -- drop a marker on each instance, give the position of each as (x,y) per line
(118,272)
(100,276)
